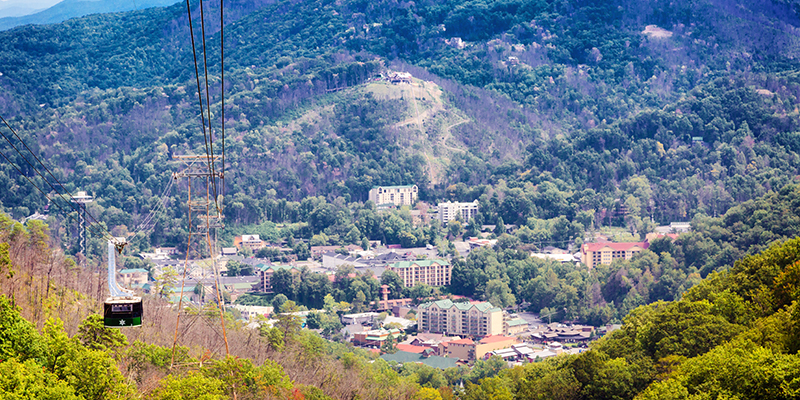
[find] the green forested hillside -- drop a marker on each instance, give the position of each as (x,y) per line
(549,109)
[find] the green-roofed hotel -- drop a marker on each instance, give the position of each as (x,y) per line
(460,318)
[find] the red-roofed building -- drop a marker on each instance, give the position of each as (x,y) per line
(467,349)
(411,348)
(604,253)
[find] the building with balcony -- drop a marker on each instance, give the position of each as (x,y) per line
(604,253)
(265,273)
(397,195)
(449,211)
(477,319)
(252,242)
(429,272)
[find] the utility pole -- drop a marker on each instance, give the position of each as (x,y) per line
(82,199)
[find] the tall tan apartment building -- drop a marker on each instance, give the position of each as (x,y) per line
(462,319)
(397,195)
(429,272)
(604,253)
(265,273)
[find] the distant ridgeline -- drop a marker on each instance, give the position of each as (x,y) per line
(555,116)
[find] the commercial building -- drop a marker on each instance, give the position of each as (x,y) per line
(604,253)
(449,211)
(462,318)
(252,242)
(467,349)
(375,337)
(397,195)
(133,277)
(429,272)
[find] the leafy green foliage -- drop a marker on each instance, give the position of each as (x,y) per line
(95,336)
(27,380)
(18,338)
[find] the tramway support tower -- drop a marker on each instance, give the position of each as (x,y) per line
(82,198)
(205,217)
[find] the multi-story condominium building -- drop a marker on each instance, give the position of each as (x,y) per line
(397,195)
(429,272)
(252,242)
(450,211)
(604,253)
(265,273)
(462,319)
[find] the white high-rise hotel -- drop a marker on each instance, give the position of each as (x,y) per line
(449,211)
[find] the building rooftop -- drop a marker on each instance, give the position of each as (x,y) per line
(265,267)
(411,348)
(433,361)
(483,306)
(615,246)
(496,339)
(421,263)
(133,271)
(394,187)
(461,341)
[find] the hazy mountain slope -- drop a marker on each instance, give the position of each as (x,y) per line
(78,8)
(584,96)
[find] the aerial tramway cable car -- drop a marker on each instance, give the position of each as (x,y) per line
(123,308)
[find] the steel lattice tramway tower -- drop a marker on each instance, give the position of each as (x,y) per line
(205,217)
(82,199)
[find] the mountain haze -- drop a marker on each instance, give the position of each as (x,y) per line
(560,108)
(67,9)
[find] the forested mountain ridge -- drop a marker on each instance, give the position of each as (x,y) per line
(67,9)
(569,109)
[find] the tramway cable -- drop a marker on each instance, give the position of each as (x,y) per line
(103,232)
(37,187)
(212,174)
(208,101)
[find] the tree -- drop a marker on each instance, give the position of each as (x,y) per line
(487,368)
(500,227)
(427,393)
(164,284)
(395,283)
(302,252)
(499,294)
(234,268)
(389,345)
(278,300)
(313,320)
(359,303)
(421,291)
(5,261)
(454,228)
(190,386)
(94,335)
(18,337)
